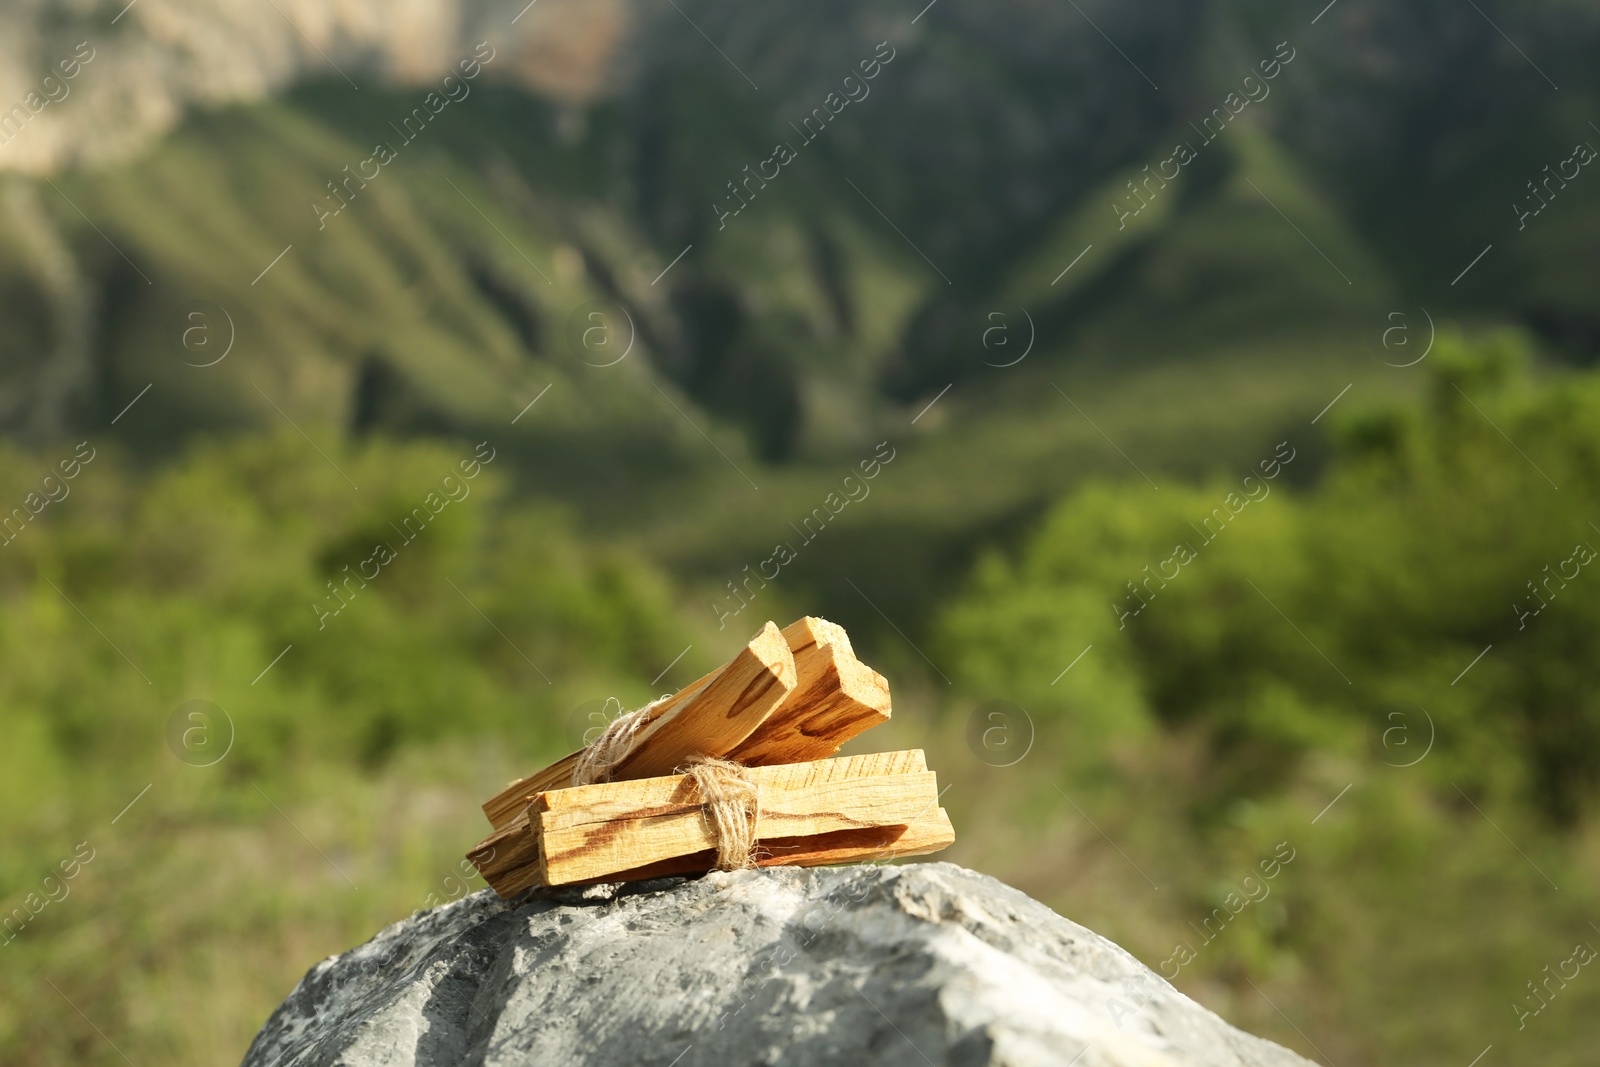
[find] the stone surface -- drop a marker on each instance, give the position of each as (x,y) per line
(909,965)
(160,60)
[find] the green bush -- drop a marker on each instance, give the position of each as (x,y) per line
(357,760)
(1323,639)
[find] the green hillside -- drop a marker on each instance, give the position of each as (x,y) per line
(969,358)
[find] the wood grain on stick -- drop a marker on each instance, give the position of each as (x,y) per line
(675,792)
(835,698)
(708,718)
(929,833)
(827,811)
(508,859)
(574,851)
(503,850)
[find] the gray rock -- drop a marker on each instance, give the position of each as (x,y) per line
(910,965)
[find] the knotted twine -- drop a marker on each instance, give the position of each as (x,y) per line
(731,800)
(733,806)
(613,745)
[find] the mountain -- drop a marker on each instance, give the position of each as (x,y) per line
(718,248)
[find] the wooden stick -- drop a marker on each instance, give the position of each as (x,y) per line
(929,833)
(709,718)
(581,852)
(505,850)
(675,792)
(508,859)
(507,804)
(651,818)
(835,698)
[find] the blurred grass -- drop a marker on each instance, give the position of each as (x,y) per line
(1305,679)
(204,903)
(362,753)
(1172,759)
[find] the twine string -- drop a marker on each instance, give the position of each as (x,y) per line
(732,801)
(732,807)
(615,743)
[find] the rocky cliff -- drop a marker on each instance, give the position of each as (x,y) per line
(925,964)
(134,69)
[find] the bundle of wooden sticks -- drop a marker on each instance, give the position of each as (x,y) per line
(783,705)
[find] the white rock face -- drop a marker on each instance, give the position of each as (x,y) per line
(134,79)
(913,965)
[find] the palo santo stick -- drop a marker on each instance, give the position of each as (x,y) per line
(929,833)
(509,858)
(836,697)
(576,852)
(709,718)
(675,792)
(501,852)
(507,804)
(725,712)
